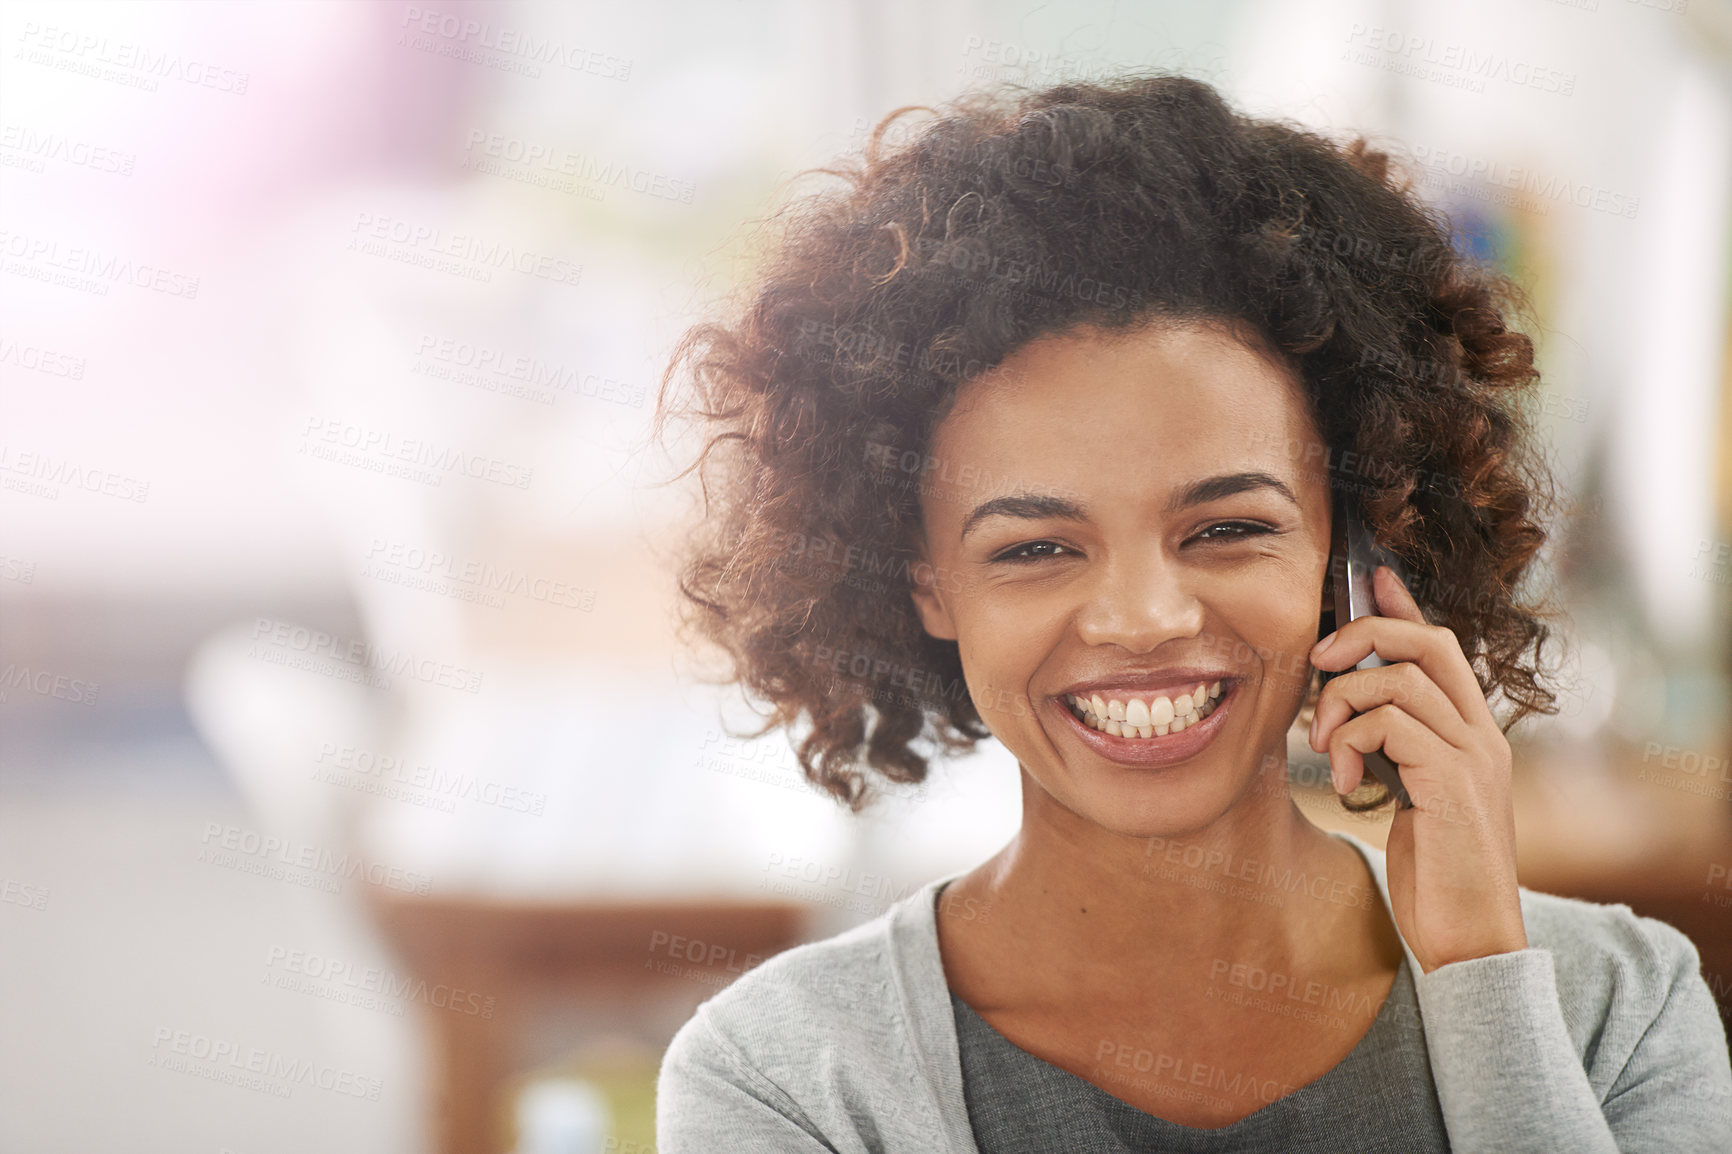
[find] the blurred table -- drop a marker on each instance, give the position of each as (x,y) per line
(512,983)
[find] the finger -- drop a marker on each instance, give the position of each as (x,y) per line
(1434,648)
(1403,684)
(1393,599)
(1404,739)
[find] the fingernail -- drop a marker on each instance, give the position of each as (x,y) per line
(1317,649)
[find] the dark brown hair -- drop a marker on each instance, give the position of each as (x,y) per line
(1012,214)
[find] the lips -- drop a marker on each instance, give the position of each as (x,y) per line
(1171,681)
(1155,750)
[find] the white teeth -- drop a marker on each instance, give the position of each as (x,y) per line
(1138,718)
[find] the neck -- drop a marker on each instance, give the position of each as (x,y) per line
(1260,884)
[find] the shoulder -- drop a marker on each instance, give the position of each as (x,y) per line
(804,991)
(1622,979)
(1608,950)
(817,1033)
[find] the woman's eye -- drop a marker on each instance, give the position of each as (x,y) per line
(1042,550)
(1031,551)
(1242,529)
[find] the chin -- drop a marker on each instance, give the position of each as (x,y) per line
(1142,808)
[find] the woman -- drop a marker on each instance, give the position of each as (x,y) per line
(1034,430)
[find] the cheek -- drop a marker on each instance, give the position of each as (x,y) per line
(1273,631)
(1001,649)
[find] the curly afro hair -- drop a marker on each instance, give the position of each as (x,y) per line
(1010,214)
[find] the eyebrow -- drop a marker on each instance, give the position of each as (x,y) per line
(1036,506)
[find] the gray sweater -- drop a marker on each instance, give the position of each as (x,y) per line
(1601,1036)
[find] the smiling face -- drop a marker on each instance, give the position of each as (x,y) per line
(1126,521)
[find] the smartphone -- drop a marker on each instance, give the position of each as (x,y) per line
(1353,555)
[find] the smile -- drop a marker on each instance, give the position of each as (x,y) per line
(1150,730)
(1145,718)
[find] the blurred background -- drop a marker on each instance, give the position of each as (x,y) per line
(354,794)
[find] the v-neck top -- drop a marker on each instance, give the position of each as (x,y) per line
(1602,1035)
(1380,1097)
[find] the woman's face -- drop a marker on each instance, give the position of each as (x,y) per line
(1121,515)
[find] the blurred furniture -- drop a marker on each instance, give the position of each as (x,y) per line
(601,963)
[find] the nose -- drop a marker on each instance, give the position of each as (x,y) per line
(1139,603)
